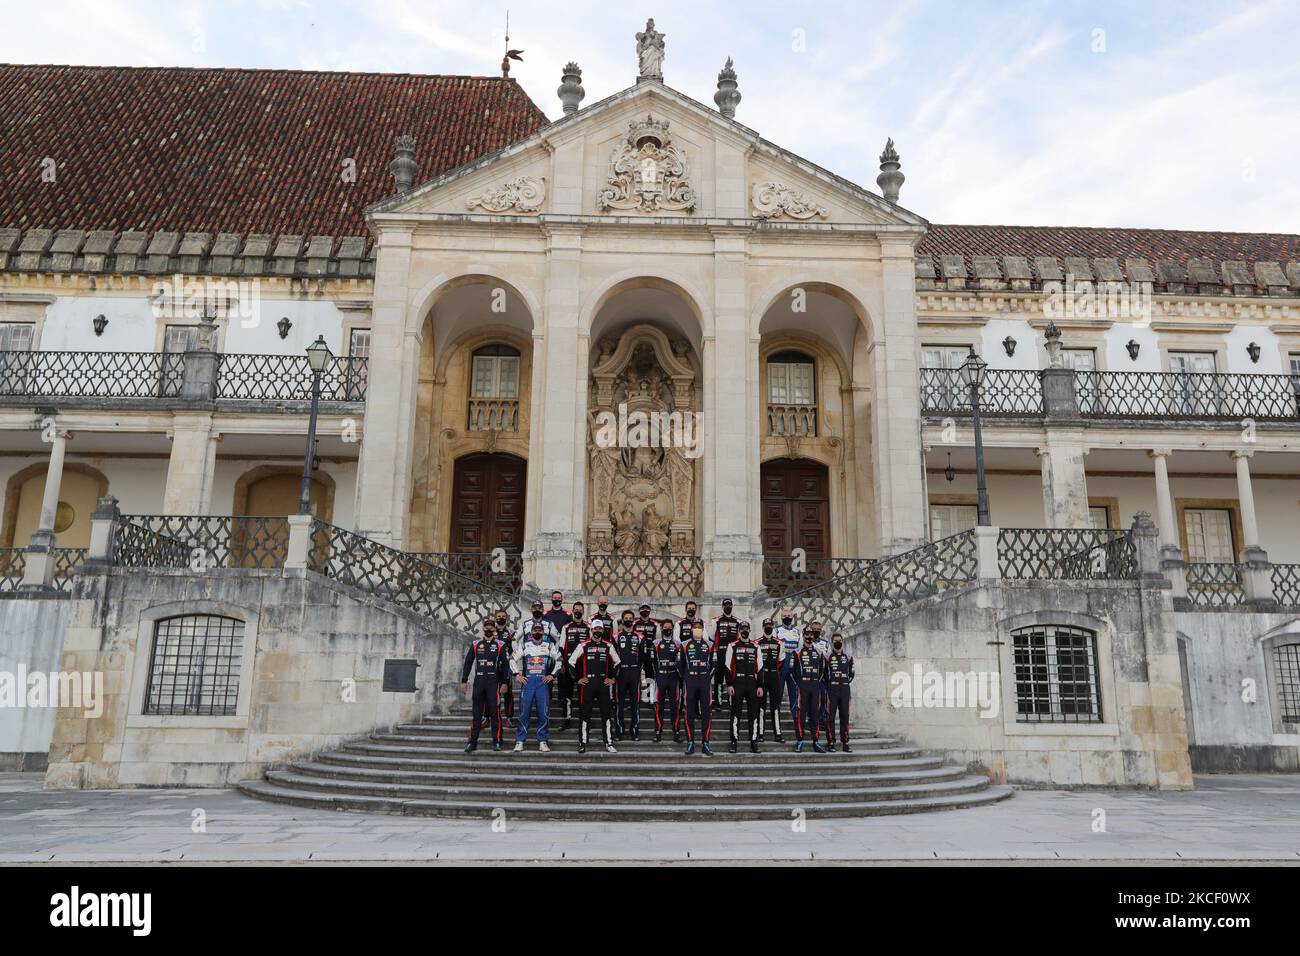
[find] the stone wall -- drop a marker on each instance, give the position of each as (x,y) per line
(1140,741)
(31,641)
(312,676)
(1231,690)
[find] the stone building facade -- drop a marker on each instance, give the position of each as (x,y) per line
(638,350)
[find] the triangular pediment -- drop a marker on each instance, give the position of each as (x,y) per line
(648,152)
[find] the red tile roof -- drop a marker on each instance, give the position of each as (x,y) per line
(1098,243)
(241,151)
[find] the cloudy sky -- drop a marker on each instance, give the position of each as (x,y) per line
(1170,114)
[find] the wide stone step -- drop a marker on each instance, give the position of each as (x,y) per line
(702,812)
(583,777)
(597,761)
(388,744)
(662,791)
(720,734)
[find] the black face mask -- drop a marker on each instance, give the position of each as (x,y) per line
(602,608)
(838,645)
(690,612)
(555,603)
(646,614)
(577,615)
(627,624)
(767,628)
(726,609)
(537,612)
(787,621)
(487,635)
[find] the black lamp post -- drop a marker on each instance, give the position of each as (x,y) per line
(972,373)
(318,356)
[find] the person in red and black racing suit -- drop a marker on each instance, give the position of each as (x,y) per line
(595,665)
(773,663)
(809,671)
(487,668)
(602,614)
(698,662)
(725,628)
(574,633)
(665,661)
(506,635)
(628,643)
(743,671)
(839,677)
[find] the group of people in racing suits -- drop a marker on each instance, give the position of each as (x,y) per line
(596,667)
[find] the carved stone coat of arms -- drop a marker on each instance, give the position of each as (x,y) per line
(647,173)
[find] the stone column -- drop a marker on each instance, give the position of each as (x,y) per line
(1065,481)
(1171,554)
(384,464)
(901,509)
(557,479)
(191,466)
(1257,572)
(733,564)
(39,569)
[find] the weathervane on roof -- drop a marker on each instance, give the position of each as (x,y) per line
(510,54)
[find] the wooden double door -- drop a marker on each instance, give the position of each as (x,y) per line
(487,504)
(795,503)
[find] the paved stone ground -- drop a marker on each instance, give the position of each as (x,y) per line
(1255,817)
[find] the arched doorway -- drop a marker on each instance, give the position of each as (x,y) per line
(795,503)
(487,504)
(79,494)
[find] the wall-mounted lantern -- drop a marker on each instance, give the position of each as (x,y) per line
(100,324)
(284,325)
(1133,348)
(1010,345)
(1253,351)
(950,473)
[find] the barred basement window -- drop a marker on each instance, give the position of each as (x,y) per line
(194,670)
(1286,665)
(1056,674)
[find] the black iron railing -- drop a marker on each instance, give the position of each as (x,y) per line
(1199,396)
(403,578)
(200,542)
(647,576)
(287,378)
(883,585)
(28,374)
(500,571)
(785,575)
(1215,585)
(1286,584)
(1003,392)
(1067,554)
(13,562)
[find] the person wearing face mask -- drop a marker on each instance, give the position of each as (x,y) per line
(697,663)
(665,661)
(483,676)
(686,625)
(595,666)
(602,614)
(773,664)
(792,640)
(534,664)
(628,645)
(809,671)
(839,677)
(526,625)
(815,629)
(743,667)
(557,616)
(506,635)
(574,633)
(725,628)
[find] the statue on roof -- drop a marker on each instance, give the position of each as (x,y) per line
(650,52)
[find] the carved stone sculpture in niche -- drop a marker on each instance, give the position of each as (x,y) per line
(642,475)
(647,173)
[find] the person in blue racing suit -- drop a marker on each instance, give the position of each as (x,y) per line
(791,640)
(534,664)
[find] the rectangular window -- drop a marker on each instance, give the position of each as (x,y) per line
(790,383)
(946,520)
(945,389)
(1286,668)
(359,343)
(194,669)
(495,376)
(1099,515)
(1209,536)
(1294,360)
(1056,675)
(16,336)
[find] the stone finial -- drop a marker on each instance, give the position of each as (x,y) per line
(404,167)
(1053,338)
(571,91)
(728,97)
(891,177)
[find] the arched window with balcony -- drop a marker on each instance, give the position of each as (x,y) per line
(791,394)
(494,389)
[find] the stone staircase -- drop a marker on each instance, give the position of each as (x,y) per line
(420,769)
